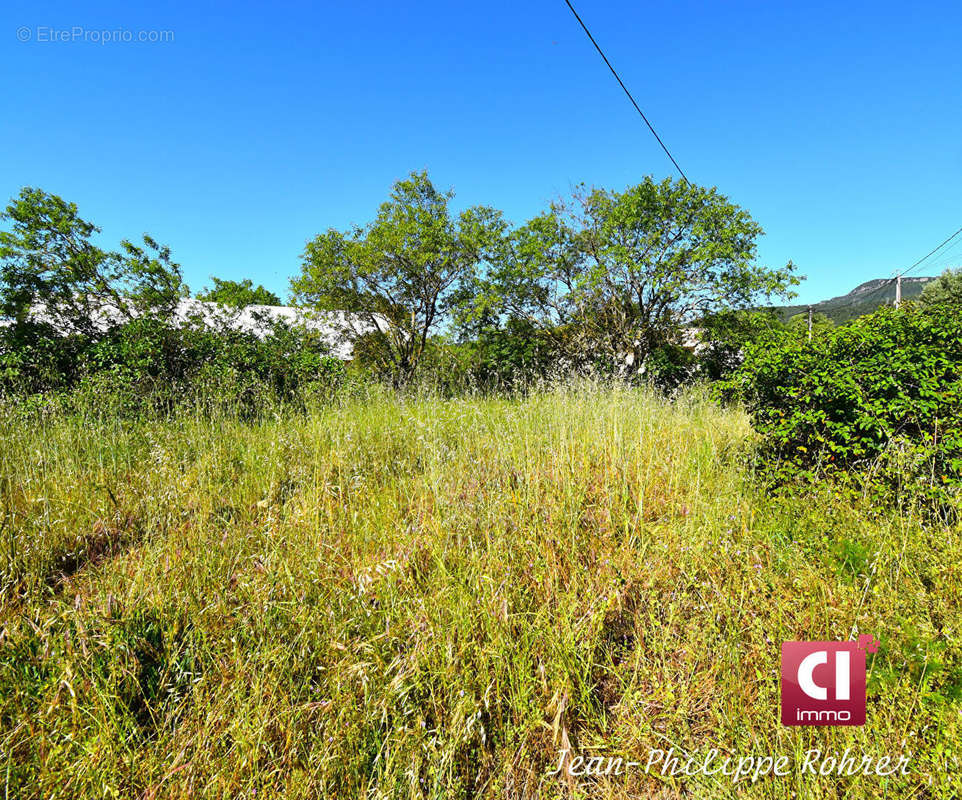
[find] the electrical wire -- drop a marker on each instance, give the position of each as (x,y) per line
(867,298)
(917,263)
(664,147)
(621,83)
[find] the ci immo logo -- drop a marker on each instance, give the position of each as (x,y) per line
(823,683)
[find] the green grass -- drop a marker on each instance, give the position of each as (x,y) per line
(425,598)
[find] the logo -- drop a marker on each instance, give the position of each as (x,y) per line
(823,683)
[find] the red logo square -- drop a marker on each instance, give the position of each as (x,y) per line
(823,683)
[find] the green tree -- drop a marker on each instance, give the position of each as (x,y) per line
(238,294)
(47,259)
(944,290)
(723,337)
(616,276)
(798,324)
(143,280)
(401,278)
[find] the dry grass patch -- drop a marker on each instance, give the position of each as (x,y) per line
(425,598)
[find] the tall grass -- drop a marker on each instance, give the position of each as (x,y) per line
(390,597)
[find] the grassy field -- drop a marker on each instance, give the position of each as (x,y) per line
(426,598)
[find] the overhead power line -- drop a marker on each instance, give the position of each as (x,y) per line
(664,147)
(621,83)
(898,277)
(933,252)
(890,281)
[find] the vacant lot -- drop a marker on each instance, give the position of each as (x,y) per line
(425,598)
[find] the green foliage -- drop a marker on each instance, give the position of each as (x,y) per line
(944,290)
(821,323)
(401,276)
(47,257)
(724,335)
(601,283)
(35,357)
(149,363)
(98,322)
(238,294)
(627,270)
(514,354)
(669,366)
(48,261)
(882,396)
(144,280)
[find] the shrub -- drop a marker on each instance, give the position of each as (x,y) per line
(149,363)
(513,355)
(170,364)
(725,334)
(35,358)
(880,397)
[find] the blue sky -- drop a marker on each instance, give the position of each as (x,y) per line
(837,125)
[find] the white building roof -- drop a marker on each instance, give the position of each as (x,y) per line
(255,319)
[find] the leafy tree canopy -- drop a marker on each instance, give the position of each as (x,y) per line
(47,259)
(238,294)
(402,276)
(944,290)
(628,270)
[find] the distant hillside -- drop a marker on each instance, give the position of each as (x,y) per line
(863,299)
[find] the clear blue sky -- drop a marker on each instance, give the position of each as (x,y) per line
(838,125)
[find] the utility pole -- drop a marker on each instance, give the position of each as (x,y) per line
(809,323)
(898,289)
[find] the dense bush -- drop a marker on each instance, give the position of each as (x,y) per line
(724,335)
(513,354)
(510,356)
(881,396)
(151,363)
(34,357)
